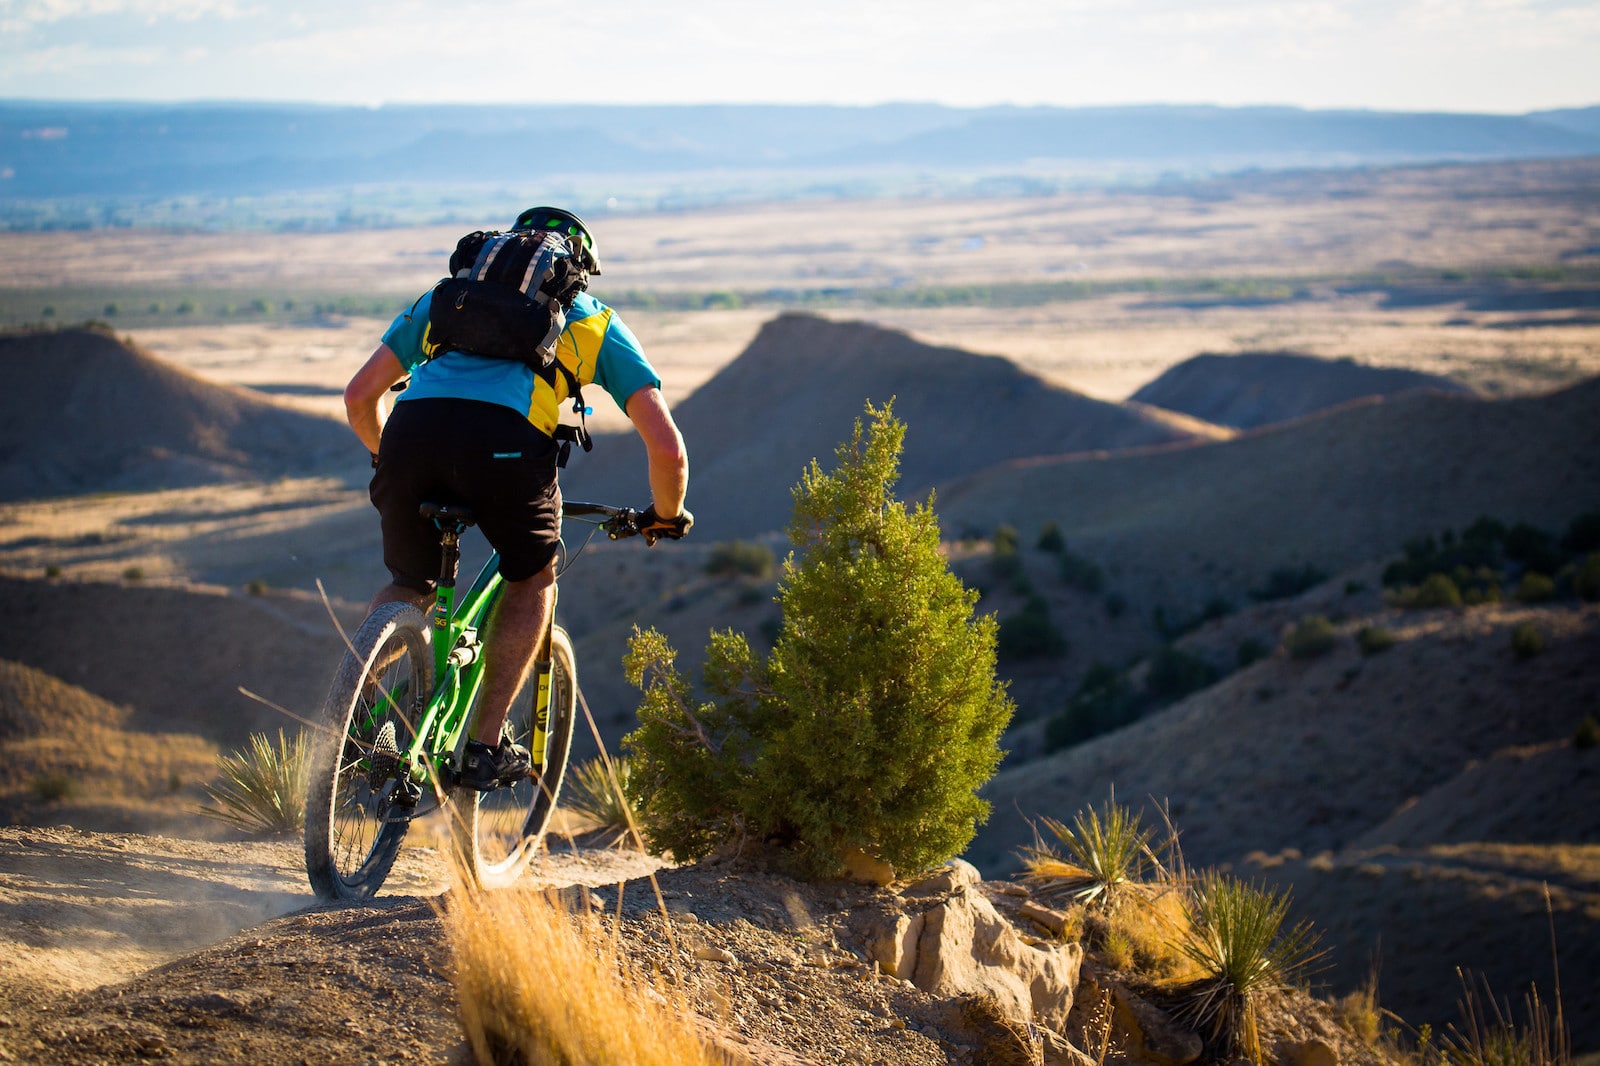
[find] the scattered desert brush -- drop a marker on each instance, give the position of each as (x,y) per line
(263,787)
(540,986)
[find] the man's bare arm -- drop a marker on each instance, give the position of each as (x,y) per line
(363,397)
(669,461)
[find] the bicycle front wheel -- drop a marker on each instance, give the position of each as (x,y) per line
(502,829)
(360,802)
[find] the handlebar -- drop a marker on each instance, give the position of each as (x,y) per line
(621,522)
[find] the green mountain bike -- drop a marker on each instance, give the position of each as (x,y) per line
(396,720)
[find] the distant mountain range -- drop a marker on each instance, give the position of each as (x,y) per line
(64,149)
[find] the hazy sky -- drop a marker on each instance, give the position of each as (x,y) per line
(1450,55)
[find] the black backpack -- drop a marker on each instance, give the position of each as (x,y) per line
(507,297)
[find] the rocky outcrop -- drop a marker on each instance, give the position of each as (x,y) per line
(949,940)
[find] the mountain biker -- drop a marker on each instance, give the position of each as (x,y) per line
(479,432)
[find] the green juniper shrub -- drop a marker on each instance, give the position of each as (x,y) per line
(1354,588)
(1216,607)
(1006,562)
(1477,585)
(54,787)
(1051,540)
(133,573)
(1436,590)
(1526,640)
(1375,639)
(1105,700)
(1311,637)
(1005,540)
(52,571)
(1478,546)
(1116,605)
(1535,588)
(1082,574)
(1030,634)
(1586,579)
(1287,581)
(1587,735)
(1251,651)
(741,557)
(1532,547)
(874,720)
(1583,535)
(1174,673)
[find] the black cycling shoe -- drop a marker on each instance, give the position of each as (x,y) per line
(484,768)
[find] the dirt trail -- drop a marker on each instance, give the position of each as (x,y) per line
(81,910)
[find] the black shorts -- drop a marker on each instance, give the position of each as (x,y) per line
(484,456)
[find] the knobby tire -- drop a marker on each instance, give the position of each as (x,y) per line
(353,826)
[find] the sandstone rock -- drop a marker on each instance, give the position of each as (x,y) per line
(893,945)
(1311,1052)
(859,866)
(955,876)
(966,946)
(1048,917)
(1058,1051)
(1150,1034)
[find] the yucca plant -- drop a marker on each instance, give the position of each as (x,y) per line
(1108,856)
(1236,938)
(599,796)
(263,787)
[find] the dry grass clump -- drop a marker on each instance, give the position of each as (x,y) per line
(263,787)
(538,986)
(1490,1035)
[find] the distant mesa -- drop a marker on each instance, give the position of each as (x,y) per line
(1255,389)
(82,412)
(795,392)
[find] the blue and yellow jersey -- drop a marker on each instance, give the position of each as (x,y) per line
(596,347)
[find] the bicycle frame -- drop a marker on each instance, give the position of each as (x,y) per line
(458,657)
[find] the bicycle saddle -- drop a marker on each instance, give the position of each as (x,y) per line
(448,514)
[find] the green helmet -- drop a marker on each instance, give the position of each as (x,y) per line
(557,220)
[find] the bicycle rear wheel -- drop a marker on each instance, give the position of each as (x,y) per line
(357,806)
(501,829)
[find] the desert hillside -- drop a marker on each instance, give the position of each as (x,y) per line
(68,756)
(1182,524)
(177,657)
(1413,800)
(1252,389)
(83,412)
(794,393)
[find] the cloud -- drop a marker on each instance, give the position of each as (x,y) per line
(1323,53)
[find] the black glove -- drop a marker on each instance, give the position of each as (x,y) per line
(654,527)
